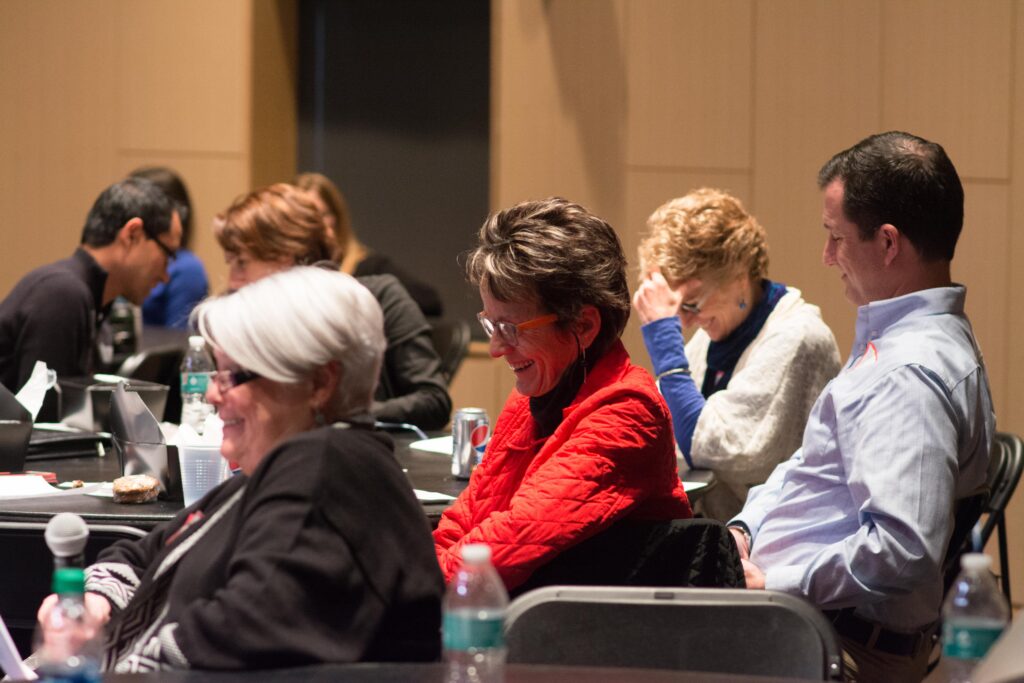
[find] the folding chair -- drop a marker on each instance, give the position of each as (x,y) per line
(685,629)
(1005,467)
(451,341)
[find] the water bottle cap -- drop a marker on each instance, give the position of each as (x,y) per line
(69,580)
(975,561)
(196,340)
(476,553)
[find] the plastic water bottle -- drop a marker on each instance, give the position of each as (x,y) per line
(196,369)
(474,618)
(973,617)
(70,645)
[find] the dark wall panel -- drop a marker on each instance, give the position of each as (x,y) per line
(394,107)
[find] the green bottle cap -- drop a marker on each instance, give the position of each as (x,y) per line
(69,580)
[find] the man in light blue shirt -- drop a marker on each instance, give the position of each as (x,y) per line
(858,519)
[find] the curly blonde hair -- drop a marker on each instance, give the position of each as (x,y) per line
(706,234)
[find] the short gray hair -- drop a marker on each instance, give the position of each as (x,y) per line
(284,326)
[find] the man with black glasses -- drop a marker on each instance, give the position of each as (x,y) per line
(130,236)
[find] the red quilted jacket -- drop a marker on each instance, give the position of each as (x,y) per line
(611,458)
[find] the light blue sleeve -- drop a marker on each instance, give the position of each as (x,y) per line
(898,444)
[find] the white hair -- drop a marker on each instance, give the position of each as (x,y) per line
(284,326)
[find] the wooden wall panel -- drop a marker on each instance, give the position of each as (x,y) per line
(274,74)
(57,141)
(90,91)
(1011,413)
(558,103)
(817,92)
(183,70)
(947,78)
(690,81)
(983,263)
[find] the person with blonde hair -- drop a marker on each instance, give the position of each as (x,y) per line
(295,560)
(280,226)
(357,258)
(741,389)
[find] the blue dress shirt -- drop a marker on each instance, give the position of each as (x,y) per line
(170,304)
(861,514)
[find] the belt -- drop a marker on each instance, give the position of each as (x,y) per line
(872,635)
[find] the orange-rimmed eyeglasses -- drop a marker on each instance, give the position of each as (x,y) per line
(509,332)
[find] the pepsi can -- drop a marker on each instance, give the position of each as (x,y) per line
(470,432)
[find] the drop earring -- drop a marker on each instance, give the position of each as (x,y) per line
(743,304)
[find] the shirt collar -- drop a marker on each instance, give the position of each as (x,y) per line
(874,318)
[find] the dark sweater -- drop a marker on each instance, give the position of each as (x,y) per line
(411,387)
(322,555)
(51,315)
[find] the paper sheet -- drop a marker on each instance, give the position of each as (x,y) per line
(432,496)
(10,660)
(31,395)
(34,486)
(441,444)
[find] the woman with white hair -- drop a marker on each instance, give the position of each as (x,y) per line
(296,560)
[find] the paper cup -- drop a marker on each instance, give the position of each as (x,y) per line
(202,469)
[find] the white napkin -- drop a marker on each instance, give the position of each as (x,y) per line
(39,382)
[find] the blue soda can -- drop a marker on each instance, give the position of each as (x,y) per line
(470,432)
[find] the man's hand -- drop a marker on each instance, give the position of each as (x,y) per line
(753,575)
(741,542)
(655,300)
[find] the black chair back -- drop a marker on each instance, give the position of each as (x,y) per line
(451,341)
(685,629)
(28,568)
(1005,467)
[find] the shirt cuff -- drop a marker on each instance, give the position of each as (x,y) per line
(787,579)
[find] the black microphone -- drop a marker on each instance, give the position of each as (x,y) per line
(66,535)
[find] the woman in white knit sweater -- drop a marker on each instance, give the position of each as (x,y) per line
(741,389)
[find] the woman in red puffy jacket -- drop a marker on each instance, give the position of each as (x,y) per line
(585,439)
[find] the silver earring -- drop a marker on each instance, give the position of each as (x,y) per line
(743,304)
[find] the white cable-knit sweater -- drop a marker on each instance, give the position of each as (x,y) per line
(758,420)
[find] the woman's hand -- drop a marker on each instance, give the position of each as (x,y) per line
(655,300)
(97,605)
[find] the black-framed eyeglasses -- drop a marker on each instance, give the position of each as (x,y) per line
(227,380)
(171,254)
(509,332)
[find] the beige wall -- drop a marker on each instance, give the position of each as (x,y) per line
(623,104)
(91,90)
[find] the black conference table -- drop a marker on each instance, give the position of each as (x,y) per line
(426,471)
(435,673)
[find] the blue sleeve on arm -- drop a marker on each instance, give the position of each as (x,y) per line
(664,341)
